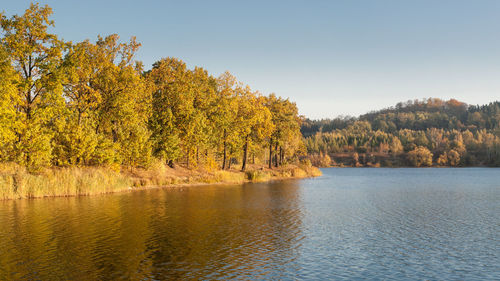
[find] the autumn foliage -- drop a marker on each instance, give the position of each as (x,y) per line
(416,133)
(90,103)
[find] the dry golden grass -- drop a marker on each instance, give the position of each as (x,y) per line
(17,182)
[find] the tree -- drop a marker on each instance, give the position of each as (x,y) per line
(9,117)
(420,156)
(227,110)
(204,89)
(395,146)
(171,85)
(442,159)
(453,157)
(76,142)
(36,56)
(286,138)
(254,120)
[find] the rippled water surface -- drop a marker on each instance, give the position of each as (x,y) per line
(348,224)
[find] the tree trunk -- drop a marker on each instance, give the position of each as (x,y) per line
(225,151)
(245,154)
(28,111)
(282,155)
(276,164)
(271,153)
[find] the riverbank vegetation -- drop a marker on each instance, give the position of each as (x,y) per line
(75,116)
(429,132)
(17,182)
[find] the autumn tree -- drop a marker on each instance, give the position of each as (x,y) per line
(76,142)
(184,110)
(109,103)
(36,55)
(227,111)
(254,122)
(420,156)
(171,86)
(205,119)
(453,158)
(442,159)
(125,106)
(286,137)
(9,100)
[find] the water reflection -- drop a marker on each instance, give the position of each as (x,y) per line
(391,224)
(213,232)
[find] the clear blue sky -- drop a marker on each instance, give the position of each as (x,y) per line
(331,57)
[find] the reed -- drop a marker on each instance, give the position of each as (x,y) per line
(17,182)
(259,175)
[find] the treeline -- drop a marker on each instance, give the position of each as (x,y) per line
(418,115)
(418,133)
(90,103)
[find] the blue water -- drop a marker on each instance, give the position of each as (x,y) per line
(351,224)
(402,224)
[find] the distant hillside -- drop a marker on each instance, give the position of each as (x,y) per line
(416,133)
(417,115)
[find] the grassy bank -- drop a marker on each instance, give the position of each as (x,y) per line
(16,182)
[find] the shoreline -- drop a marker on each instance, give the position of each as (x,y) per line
(17,183)
(409,167)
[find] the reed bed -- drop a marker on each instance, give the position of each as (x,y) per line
(16,182)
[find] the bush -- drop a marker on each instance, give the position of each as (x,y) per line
(258,175)
(320,160)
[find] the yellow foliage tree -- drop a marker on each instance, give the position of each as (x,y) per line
(420,156)
(36,56)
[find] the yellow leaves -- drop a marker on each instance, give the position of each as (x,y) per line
(9,120)
(35,54)
(95,106)
(420,156)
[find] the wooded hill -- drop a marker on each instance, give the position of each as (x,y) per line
(91,104)
(417,133)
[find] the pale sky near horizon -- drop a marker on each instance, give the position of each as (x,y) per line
(330,57)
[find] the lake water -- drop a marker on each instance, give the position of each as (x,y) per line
(348,224)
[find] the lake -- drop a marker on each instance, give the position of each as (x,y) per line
(351,223)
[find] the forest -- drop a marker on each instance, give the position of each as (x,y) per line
(427,132)
(87,103)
